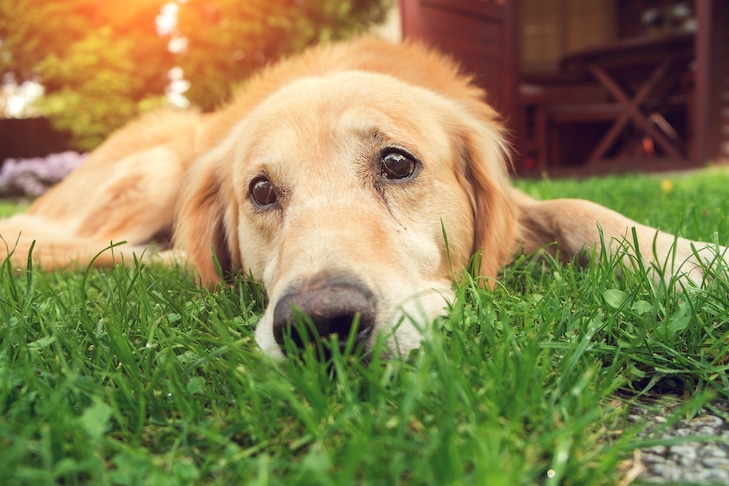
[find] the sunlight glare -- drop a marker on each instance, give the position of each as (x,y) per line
(167,19)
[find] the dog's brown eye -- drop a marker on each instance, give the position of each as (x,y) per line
(263,193)
(397,166)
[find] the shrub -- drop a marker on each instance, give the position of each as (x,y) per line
(32,177)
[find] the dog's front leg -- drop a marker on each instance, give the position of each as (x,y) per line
(568,226)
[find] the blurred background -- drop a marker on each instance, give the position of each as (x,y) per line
(585,86)
(88,66)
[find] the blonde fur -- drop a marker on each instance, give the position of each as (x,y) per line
(316,125)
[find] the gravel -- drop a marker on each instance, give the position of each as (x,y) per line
(700,462)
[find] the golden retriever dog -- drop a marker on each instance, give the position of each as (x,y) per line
(354,181)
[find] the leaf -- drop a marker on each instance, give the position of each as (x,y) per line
(41,343)
(680,320)
(676,323)
(641,307)
(95,419)
(195,385)
(614,298)
(185,472)
(67,466)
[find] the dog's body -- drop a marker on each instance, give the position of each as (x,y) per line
(333,179)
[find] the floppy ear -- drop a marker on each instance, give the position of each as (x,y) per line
(206,217)
(486,159)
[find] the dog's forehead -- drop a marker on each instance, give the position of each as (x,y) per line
(330,116)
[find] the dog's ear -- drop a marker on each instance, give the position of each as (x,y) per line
(485,155)
(206,218)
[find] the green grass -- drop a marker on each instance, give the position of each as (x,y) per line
(8,208)
(134,376)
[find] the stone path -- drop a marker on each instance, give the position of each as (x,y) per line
(691,462)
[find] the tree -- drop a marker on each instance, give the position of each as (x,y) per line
(103,99)
(32,30)
(98,61)
(228,40)
(101,62)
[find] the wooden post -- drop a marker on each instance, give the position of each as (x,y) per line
(712,71)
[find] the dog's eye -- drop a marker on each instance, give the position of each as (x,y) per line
(263,193)
(396,165)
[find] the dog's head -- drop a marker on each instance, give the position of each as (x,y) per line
(353,194)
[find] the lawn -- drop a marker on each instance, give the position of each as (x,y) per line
(9,207)
(134,376)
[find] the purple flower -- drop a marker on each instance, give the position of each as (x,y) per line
(32,177)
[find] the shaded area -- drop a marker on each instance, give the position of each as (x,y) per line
(30,137)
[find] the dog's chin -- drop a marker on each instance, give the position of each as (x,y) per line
(264,336)
(401,327)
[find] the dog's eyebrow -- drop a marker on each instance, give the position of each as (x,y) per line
(382,141)
(372,133)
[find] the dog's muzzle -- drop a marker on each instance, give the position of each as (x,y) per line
(336,307)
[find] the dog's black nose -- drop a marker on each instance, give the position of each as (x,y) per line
(333,305)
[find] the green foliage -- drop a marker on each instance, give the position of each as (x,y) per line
(100,102)
(9,207)
(33,30)
(101,63)
(228,40)
(135,376)
(30,30)
(98,61)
